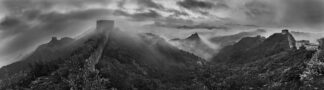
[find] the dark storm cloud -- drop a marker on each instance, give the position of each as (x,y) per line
(11,25)
(190,4)
(221,4)
(150,15)
(203,27)
(17,6)
(49,24)
(21,5)
(143,4)
(57,19)
(309,12)
(170,22)
(203,7)
(286,12)
(261,12)
(150,3)
(51,20)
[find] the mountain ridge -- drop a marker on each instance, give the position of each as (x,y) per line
(110,55)
(232,39)
(111,59)
(258,47)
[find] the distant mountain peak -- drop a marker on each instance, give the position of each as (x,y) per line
(194,36)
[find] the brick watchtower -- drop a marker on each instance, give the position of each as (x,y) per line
(105,25)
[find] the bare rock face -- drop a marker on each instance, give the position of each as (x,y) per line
(240,51)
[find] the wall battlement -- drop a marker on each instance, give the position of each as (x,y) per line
(285,31)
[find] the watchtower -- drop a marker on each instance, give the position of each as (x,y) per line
(105,25)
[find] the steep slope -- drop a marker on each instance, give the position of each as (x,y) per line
(250,49)
(288,68)
(279,71)
(195,45)
(232,53)
(44,53)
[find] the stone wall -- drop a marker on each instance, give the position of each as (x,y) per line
(291,39)
(321,44)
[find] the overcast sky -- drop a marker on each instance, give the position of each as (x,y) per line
(24,24)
